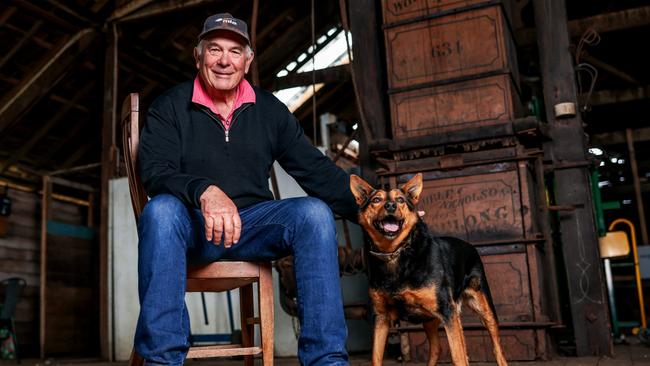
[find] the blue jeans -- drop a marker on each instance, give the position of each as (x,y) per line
(172,235)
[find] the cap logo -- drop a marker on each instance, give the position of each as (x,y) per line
(226,20)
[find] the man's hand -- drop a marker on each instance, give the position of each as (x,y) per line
(221,217)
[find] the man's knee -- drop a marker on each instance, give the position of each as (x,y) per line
(163,209)
(314,211)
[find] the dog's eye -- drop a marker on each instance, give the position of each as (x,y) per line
(376,200)
(400,200)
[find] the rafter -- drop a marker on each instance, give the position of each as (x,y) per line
(161,8)
(603,97)
(602,23)
(128,8)
(43,130)
(618,137)
(334,74)
(77,13)
(25,38)
(47,15)
(52,69)
(7,14)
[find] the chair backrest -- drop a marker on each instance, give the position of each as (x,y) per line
(13,288)
(130,141)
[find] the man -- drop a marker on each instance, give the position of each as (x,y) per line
(205,156)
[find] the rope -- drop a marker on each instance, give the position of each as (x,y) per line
(592,38)
(313,69)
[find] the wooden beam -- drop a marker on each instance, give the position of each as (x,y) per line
(273,24)
(602,23)
(292,39)
(52,69)
(70,184)
(583,268)
(305,110)
(126,9)
(7,14)
(603,97)
(637,187)
(81,152)
(618,137)
(47,15)
(52,96)
(162,8)
(109,167)
(25,38)
(253,35)
(614,21)
(610,69)
(369,75)
(42,131)
(159,62)
(334,74)
(74,12)
(46,213)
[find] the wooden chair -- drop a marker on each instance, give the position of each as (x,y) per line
(215,277)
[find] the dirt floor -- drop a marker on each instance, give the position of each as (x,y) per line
(624,355)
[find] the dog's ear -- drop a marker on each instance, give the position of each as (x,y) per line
(360,189)
(413,188)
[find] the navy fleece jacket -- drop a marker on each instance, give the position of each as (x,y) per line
(184,149)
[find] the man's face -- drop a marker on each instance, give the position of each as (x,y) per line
(223,61)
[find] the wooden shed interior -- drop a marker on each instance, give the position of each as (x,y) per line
(67,65)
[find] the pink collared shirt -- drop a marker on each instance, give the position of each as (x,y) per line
(245,94)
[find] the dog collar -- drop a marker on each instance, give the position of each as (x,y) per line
(389,257)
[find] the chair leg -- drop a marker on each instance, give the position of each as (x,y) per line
(135,359)
(246,307)
(266,312)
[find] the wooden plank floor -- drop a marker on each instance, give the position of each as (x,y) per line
(624,355)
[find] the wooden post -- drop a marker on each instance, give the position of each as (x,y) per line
(109,161)
(637,185)
(369,75)
(589,308)
(368,78)
(46,210)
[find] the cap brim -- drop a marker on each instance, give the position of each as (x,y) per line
(233,31)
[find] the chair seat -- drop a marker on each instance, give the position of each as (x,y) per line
(221,276)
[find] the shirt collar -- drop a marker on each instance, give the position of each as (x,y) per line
(245,94)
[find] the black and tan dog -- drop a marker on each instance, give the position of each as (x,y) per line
(417,277)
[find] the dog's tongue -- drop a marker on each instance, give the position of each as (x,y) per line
(390,226)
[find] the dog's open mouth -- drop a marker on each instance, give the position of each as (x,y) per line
(389,226)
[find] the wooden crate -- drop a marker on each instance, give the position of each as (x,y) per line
(453,46)
(516,286)
(517,344)
(480,204)
(404,10)
(464,105)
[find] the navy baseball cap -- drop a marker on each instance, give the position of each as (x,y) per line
(225,21)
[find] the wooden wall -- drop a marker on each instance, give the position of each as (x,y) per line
(20,257)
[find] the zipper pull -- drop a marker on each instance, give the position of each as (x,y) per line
(227,133)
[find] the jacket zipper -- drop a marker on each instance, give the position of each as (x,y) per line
(234,118)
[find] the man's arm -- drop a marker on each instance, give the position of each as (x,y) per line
(315,172)
(159,156)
